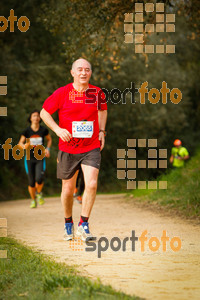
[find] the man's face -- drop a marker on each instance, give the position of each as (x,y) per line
(81,72)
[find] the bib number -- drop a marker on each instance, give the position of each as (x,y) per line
(82,129)
(34,141)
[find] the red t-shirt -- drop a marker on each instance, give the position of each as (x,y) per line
(71,106)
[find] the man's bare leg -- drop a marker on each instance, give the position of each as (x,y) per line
(91,179)
(68,187)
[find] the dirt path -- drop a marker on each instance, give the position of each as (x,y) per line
(152,275)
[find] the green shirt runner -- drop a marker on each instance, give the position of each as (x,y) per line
(179,152)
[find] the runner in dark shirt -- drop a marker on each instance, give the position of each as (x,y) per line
(34,167)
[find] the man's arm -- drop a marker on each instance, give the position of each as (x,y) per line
(102,117)
(186,157)
(184,154)
(64,134)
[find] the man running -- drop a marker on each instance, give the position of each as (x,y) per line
(35,168)
(81,134)
(178,154)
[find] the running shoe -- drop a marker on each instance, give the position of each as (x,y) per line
(68,231)
(33,204)
(83,232)
(40,198)
(79,199)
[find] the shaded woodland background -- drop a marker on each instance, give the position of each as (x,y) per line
(39,61)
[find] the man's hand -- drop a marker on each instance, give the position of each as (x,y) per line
(64,134)
(102,139)
(102,117)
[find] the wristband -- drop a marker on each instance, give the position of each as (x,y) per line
(48,149)
(101,130)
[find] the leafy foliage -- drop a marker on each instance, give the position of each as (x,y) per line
(38,62)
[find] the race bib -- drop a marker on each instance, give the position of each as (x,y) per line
(34,141)
(82,129)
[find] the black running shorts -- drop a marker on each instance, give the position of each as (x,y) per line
(35,170)
(68,164)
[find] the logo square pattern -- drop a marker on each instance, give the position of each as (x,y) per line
(3,92)
(76,244)
(163,24)
(74,95)
(127,163)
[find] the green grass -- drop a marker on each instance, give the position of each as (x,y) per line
(27,274)
(140,193)
(183,192)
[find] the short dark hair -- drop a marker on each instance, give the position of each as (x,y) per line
(34,111)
